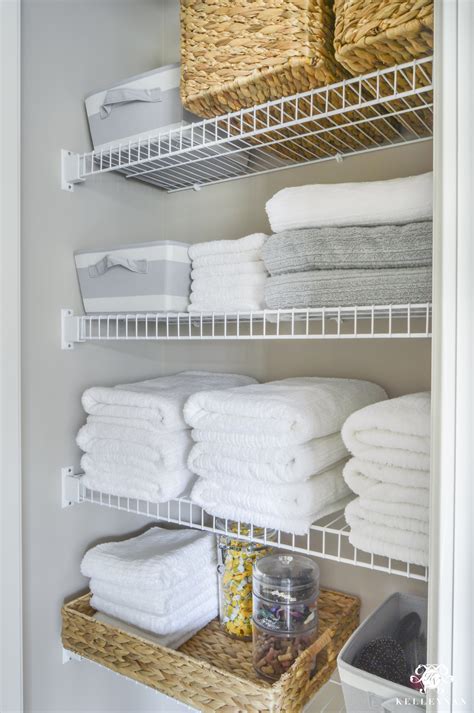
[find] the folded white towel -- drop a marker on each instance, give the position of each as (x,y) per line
(172,641)
(133,481)
(393,509)
(226,247)
(394,432)
(406,477)
(397,520)
(298,525)
(158,557)
(159,401)
(170,625)
(159,601)
(119,444)
(400,200)
(278,413)
(234,259)
(215,296)
(403,545)
(271,465)
(250,267)
(266,505)
(202,286)
(375,490)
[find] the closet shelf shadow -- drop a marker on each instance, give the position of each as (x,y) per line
(365,322)
(327,538)
(386,108)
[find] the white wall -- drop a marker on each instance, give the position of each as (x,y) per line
(71,47)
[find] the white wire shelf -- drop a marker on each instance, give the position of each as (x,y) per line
(385,108)
(328,538)
(365,322)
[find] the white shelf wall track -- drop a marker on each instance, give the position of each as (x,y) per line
(369,322)
(328,538)
(389,107)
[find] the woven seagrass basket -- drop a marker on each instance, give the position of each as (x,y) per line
(371,34)
(240,53)
(211,671)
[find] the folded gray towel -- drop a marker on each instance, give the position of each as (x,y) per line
(339,288)
(352,247)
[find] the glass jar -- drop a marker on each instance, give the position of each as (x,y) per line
(235,562)
(285,611)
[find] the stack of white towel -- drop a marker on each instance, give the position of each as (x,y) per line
(163,581)
(136,441)
(271,454)
(390,473)
(228,275)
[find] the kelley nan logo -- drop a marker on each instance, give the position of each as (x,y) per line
(430,677)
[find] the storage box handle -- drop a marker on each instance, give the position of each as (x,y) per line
(125,96)
(108,261)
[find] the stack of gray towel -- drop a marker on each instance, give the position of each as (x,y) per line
(350,244)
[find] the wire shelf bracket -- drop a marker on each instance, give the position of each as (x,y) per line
(328,538)
(369,322)
(386,108)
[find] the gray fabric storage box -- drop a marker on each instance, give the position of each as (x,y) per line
(137,107)
(145,277)
(364,692)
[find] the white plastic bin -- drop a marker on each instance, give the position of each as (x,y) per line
(364,692)
(146,277)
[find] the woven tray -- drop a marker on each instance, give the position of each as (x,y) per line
(382,33)
(212,672)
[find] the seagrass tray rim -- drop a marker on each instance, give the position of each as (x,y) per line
(205,665)
(260,684)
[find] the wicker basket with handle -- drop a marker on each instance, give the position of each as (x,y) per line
(212,672)
(241,53)
(370,34)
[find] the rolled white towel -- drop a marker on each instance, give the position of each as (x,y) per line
(399,200)
(271,465)
(170,625)
(278,413)
(159,601)
(394,432)
(254,241)
(134,481)
(159,401)
(158,557)
(266,505)
(250,267)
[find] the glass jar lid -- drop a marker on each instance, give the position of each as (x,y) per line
(286,578)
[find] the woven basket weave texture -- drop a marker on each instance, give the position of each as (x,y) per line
(370,34)
(212,672)
(241,53)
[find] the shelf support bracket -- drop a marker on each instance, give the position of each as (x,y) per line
(70,329)
(69,655)
(69,487)
(70,170)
